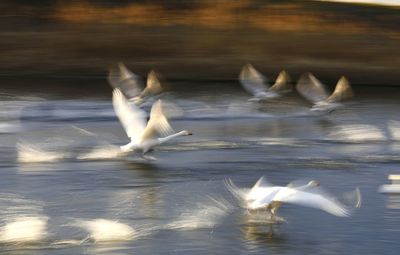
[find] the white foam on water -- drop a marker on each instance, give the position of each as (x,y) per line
(102,152)
(103,230)
(394,129)
(282,141)
(205,215)
(358,133)
(27,153)
(24,229)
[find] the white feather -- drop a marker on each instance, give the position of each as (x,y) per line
(132,118)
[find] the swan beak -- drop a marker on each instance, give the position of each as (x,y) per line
(190,133)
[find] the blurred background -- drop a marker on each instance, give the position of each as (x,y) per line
(201,39)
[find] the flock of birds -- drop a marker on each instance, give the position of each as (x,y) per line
(129,93)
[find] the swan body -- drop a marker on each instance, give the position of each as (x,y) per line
(143,136)
(258,85)
(266,196)
(316,93)
(132,86)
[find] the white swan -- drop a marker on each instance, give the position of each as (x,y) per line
(266,196)
(132,86)
(257,84)
(133,119)
(315,92)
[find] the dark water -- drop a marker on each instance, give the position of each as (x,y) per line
(179,204)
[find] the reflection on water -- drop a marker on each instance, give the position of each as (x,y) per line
(393,202)
(257,236)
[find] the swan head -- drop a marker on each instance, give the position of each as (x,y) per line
(186,132)
(313,183)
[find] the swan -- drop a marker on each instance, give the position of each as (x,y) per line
(264,195)
(133,119)
(257,84)
(131,85)
(315,92)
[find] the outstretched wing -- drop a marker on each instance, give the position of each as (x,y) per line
(120,77)
(342,91)
(237,192)
(253,81)
(311,88)
(154,86)
(158,123)
(258,189)
(132,118)
(283,83)
(315,200)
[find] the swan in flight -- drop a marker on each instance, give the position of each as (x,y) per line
(258,85)
(131,85)
(264,195)
(143,136)
(315,92)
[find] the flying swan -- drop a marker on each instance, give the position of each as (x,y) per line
(133,119)
(132,86)
(258,85)
(315,92)
(264,195)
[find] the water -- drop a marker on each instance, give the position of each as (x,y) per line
(66,189)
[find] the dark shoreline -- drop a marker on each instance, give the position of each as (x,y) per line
(200,42)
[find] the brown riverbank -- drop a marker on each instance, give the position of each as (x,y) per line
(202,40)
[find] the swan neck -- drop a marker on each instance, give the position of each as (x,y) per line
(167,138)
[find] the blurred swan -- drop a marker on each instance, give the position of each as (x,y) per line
(102,230)
(315,92)
(132,86)
(133,119)
(257,84)
(264,195)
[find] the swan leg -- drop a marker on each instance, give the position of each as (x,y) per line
(148,157)
(273,214)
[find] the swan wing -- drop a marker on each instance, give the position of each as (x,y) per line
(253,81)
(154,86)
(314,200)
(237,192)
(283,83)
(311,88)
(258,189)
(263,197)
(120,77)
(342,91)
(132,118)
(158,123)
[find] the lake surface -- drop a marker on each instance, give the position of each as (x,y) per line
(60,173)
